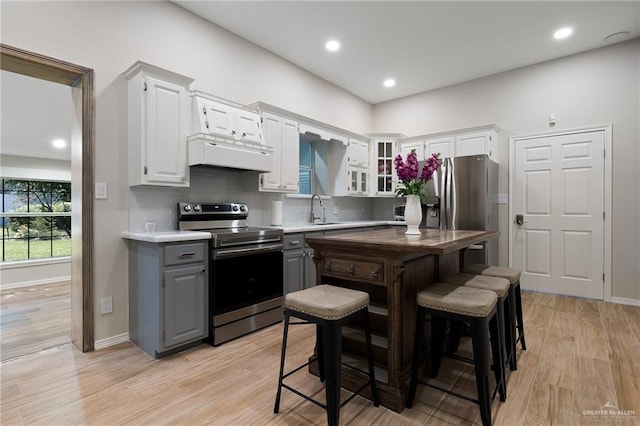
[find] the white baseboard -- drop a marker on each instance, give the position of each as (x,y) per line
(111,341)
(625,301)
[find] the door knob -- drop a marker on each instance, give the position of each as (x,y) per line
(520,219)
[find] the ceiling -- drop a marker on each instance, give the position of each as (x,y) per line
(33,113)
(422,45)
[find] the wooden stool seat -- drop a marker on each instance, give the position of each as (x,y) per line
(329,308)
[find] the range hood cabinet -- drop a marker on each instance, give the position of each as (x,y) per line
(207,150)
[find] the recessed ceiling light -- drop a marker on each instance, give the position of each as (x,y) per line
(59,143)
(332,45)
(389,82)
(562,33)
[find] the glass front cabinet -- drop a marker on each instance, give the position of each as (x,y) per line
(385,149)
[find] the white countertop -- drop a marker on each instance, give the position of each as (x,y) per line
(175,236)
(166,237)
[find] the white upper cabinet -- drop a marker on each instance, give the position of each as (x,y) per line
(457,143)
(358,153)
(227,121)
(282,135)
(445,146)
(385,149)
(158,125)
(405,149)
(483,142)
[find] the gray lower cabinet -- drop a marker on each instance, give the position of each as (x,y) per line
(299,271)
(168,296)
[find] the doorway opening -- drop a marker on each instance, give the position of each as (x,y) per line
(81,81)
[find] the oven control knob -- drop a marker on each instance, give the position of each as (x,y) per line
(242,208)
(196,208)
(187,208)
(235,208)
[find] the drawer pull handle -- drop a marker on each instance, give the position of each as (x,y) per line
(327,265)
(294,242)
(188,253)
(374,272)
(351,268)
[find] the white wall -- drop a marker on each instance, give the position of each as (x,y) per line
(17,167)
(593,88)
(109,37)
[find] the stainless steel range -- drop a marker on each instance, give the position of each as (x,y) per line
(245,282)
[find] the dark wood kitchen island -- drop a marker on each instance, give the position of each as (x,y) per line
(392,267)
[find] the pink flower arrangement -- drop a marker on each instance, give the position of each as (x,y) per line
(407,172)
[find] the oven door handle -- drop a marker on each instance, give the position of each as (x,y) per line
(237,252)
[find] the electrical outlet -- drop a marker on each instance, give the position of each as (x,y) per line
(106,305)
(336,210)
(149,227)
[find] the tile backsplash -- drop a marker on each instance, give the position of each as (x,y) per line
(210,184)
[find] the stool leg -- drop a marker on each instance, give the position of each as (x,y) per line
(320,352)
(496,330)
(480,341)
(372,373)
(519,315)
(455,332)
(332,354)
(510,323)
(498,342)
(276,407)
(415,362)
(437,339)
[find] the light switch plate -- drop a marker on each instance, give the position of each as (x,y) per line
(101,190)
(503,198)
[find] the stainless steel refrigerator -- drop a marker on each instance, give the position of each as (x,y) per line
(467,189)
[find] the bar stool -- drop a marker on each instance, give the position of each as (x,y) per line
(471,305)
(513,275)
(329,307)
(501,287)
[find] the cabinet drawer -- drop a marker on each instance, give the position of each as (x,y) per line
(293,241)
(353,269)
(184,253)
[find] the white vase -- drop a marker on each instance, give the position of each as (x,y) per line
(413,214)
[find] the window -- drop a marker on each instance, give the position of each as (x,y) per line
(36,219)
(306,167)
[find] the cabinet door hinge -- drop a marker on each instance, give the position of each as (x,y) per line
(164,335)
(603,277)
(145,87)
(163,282)
(603,213)
(145,170)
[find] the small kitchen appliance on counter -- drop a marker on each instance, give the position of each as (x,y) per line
(245,271)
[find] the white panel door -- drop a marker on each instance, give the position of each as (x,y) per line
(559,191)
(290,156)
(407,147)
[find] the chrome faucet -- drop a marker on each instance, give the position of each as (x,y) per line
(312,216)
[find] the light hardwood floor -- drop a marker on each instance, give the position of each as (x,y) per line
(34,318)
(581,355)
